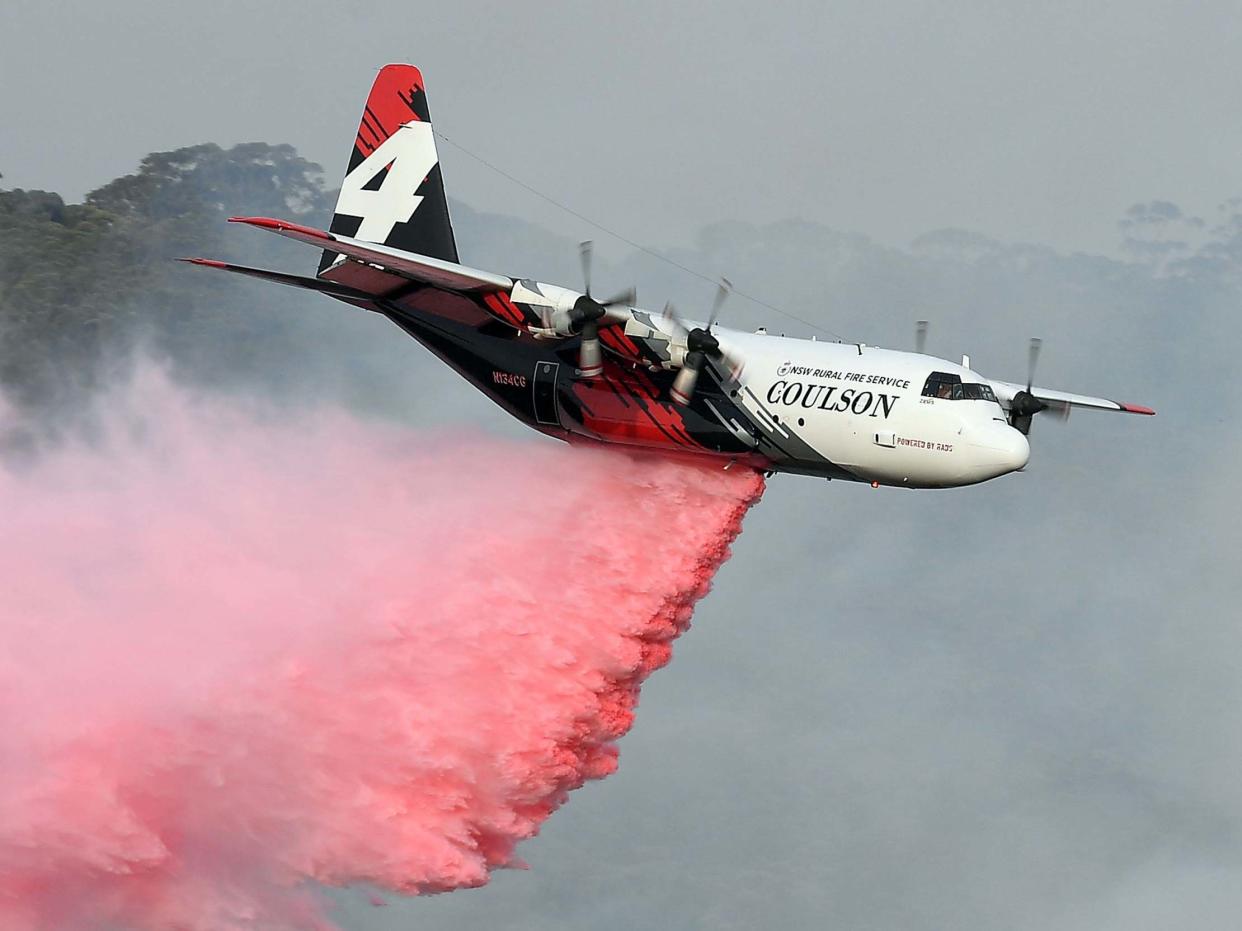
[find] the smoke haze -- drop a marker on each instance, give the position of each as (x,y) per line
(244,649)
(1013,707)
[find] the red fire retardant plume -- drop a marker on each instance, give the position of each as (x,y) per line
(240,655)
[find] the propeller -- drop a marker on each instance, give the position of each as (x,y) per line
(1024,404)
(722,293)
(920,335)
(585,315)
(701,345)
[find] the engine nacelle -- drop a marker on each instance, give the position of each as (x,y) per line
(551,303)
(660,344)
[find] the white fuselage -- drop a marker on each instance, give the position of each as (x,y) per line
(862,410)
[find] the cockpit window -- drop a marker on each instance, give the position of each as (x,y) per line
(978,392)
(940,385)
(950,387)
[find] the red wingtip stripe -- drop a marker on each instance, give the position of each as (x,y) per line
(1137,409)
(210,263)
(268,223)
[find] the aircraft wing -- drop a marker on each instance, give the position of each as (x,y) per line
(424,268)
(344,292)
(1062,401)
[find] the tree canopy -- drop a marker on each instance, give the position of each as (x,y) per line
(82,284)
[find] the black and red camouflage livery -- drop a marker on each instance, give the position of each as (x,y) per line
(576,368)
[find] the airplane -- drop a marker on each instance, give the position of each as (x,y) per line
(586,370)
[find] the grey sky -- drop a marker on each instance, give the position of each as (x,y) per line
(1007,707)
(1027,121)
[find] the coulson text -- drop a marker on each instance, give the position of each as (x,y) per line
(810,395)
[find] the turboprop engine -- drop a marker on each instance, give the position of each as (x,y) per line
(667,342)
(567,313)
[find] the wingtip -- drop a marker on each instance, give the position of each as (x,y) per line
(209,263)
(1137,409)
(282,226)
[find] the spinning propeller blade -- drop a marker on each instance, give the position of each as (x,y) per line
(674,322)
(586,250)
(587,312)
(627,298)
(722,292)
(1025,405)
(683,385)
(700,345)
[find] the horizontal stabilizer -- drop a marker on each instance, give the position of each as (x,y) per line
(424,268)
(322,285)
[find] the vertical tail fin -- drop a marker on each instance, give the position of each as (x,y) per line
(393,193)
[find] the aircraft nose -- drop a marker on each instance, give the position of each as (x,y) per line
(1010,448)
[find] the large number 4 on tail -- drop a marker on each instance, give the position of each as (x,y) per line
(393,192)
(383,190)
